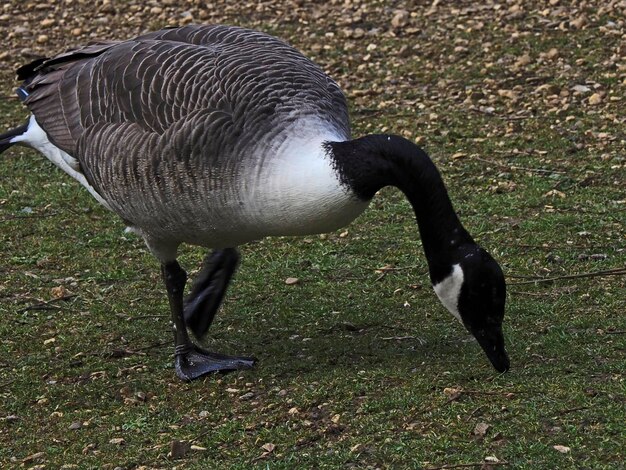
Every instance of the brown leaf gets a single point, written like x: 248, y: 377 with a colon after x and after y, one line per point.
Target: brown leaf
x: 523, y: 61
x: 509, y: 94
x: 490, y: 462
x: 553, y: 53
x: 400, y: 19
x: 178, y: 449
x: 269, y: 447
x: 595, y: 99
x: 562, y: 449
x: 59, y: 292
x: 291, y: 281
x: 554, y: 192
x: 453, y: 393
x: 579, y: 22
x: 450, y: 391
x: 31, y: 458
x: 481, y: 430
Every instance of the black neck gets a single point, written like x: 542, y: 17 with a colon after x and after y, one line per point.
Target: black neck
x: 372, y: 162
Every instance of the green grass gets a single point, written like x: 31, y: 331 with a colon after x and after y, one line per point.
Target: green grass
x: 332, y: 388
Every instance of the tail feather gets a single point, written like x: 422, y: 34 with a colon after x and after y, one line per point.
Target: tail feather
x: 7, y: 137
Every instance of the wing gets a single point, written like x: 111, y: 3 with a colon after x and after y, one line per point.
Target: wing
x: 190, y: 100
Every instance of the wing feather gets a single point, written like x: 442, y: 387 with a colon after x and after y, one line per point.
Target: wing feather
x: 187, y: 102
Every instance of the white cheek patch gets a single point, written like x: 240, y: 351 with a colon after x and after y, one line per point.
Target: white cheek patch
x: 449, y: 291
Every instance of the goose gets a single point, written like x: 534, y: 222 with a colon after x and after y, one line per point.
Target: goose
x: 216, y: 136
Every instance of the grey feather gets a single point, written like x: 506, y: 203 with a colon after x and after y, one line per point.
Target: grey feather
x: 176, y: 113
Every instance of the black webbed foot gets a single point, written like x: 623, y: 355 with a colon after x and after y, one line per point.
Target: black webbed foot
x: 192, y: 362
x: 208, y: 290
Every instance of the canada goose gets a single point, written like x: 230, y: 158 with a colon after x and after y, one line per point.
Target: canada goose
x: 218, y: 135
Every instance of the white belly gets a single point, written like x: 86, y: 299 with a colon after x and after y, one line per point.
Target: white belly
x: 286, y: 187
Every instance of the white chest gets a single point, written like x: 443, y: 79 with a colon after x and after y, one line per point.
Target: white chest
x: 284, y: 187
x: 295, y: 189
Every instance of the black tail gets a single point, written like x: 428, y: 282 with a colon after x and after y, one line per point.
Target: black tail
x: 5, y: 139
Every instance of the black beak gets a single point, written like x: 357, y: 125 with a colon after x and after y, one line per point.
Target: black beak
x: 491, y: 340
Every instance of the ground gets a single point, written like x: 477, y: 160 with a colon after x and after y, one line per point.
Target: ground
x: 520, y: 104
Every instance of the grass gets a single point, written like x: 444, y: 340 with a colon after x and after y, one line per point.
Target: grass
x: 333, y: 388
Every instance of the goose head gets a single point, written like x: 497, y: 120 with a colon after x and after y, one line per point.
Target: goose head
x: 467, y: 280
x: 474, y: 291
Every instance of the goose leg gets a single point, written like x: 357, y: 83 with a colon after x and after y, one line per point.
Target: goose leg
x: 208, y: 290
x: 190, y: 360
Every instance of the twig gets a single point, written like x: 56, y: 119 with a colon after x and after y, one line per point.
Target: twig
x: 563, y: 247
x: 520, y: 168
x: 368, y: 111
x: 516, y: 118
x: 398, y: 338
x: 480, y: 392
x: 124, y: 352
x: 347, y: 278
x: 387, y: 269
x: 522, y: 276
x: 508, y: 117
x: 539, y: 79
x: 473, y: 413
x: 127, y: 352
x: 46, y: 305
x: 457, y: 396
x: 532, y: 294
x: 29, y: 216
x: 571, y: 410
x: 6, y: 384
x: 152, y: 346
x: 139, y: 317
x: 394, y: 268
x: 606, y: 272
x: 467, y: 465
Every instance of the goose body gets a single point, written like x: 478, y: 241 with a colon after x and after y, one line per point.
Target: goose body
x: 257, y: 113
x: 216, y: 136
